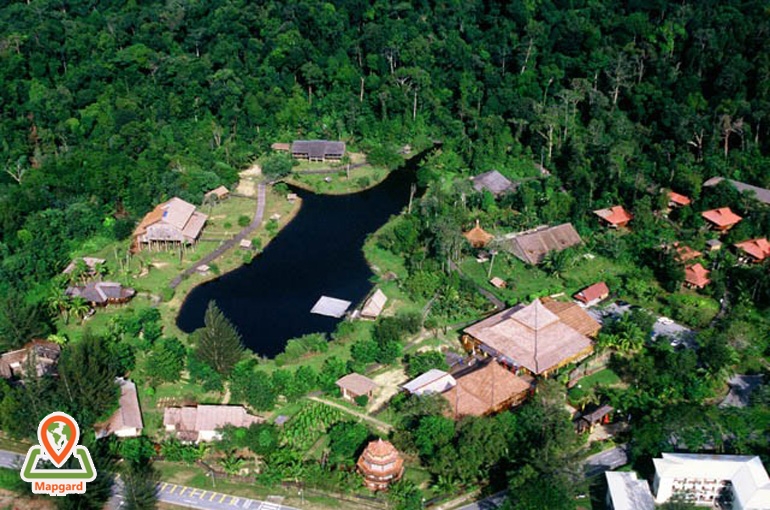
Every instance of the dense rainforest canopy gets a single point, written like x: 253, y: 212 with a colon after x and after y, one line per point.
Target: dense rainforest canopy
x: 109, y: 107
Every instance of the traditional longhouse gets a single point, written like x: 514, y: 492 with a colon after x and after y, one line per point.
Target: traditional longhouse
x: 432, y: 381
x: 721, y: 219
x: 492, y: 181
x: 374, y: 306
x: 705, y: 479
x: 487, y: 390
x: 318, y: 150
x: 532, y: 246
x: 217, y: 194
x: 677, y: 200
x: 381, y: 465
x: 91, y: 264
x: 593, y: 294
x: 754, y: 250
x: 204, y: 422
x: 761, y: 194
x: 355, y: 385
x: 539, y: 337
x: 101, y: 293
x: 696, y: 276
x: 43, y: 355
x: 615, y: 216
x: 127, y: 420
x: 477, y: 236
x: 170, y: 224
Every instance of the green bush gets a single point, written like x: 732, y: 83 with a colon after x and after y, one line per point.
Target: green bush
x: 167, y: 294
x: 214, y: 268
x: 227, y: 224
x: 363, y: 182
x: 243, y: 220
x: 362, y: 400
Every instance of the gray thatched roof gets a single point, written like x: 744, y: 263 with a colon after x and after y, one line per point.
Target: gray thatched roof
x: 492, y: 181
x: 317, y: 149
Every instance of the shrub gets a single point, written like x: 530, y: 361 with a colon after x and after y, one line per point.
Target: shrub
x: 167, y: 294
x: 256, y: 244
x: 243, y: 220
x: 362, y: 400
x: 227, y: 224
x: 214, y: 268
x: 363, y: 182
x: 276, y: 165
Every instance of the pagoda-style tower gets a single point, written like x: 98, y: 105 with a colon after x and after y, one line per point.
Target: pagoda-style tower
x: 381, y: 465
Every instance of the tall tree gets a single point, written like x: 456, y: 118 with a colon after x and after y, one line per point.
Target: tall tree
x: 218, y: 343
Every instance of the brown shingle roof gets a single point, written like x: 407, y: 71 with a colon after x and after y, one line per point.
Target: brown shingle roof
x: 759, y: 249
x: 357, y: 383
x: 535, y: 337
x: 721, y: 217
x: 484, y: 390
x: 571, y: 314
x: 317, y: 149
x: 684, y: 253
x: 593, y: 292
x: 174, y: 220
x: 218, y: 192
x: 206, y: 418
x: 533, y: 246
x: 128, y: 415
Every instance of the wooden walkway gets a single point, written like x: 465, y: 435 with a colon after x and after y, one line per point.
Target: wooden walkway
x: 230, y: 243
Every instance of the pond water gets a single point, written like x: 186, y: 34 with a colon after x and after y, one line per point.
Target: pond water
x: 318, y: 253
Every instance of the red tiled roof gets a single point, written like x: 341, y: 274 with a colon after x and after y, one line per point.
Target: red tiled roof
x: 685, y: 253
x: 722, y: 217
x: 678, y: 199
x: 593, y: 292
x: 697, y: 275
x: 615, y: 215
x: 757, y: 248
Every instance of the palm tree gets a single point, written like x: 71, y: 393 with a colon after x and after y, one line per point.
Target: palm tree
x: 60, y: 304
x: 102, y: 270
x: 79, y: 307
x: 232, y: 464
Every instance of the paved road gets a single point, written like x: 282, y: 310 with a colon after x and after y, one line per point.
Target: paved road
x: 605, y: 461
x: 174, y: 494
x: 10, y: 459
x: 490, y: 503
x: 210, y: 500
x: 231, y: 243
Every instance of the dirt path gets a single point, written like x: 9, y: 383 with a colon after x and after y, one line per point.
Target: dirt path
x: 231, y: 243
x: 381, y: 425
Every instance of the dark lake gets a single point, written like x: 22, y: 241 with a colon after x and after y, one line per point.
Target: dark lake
x: 318, y: 253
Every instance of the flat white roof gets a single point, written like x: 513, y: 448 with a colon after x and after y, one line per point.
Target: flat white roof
x: 751, y: 484
x: 431, y: 376
x: 330, y: 307
x: 627, y: 492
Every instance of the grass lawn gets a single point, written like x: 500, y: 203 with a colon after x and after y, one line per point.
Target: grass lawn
x: 604, y: 377
x: 339, y: 183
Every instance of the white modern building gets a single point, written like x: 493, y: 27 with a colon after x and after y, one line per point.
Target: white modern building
x: 432, y: 381
x: 706, y: 479
x: 626, y: 492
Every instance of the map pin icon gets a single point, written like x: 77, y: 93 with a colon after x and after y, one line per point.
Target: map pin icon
x: 58, y: 434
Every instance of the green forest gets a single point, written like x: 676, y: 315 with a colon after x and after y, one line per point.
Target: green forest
x: 109, y: 108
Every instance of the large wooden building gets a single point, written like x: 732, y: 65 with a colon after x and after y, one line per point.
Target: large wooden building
x: 170, y: 224
x: 486, y: 390
x: 533, y: 246
x: 318, y: 150
x: 538, y: 338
